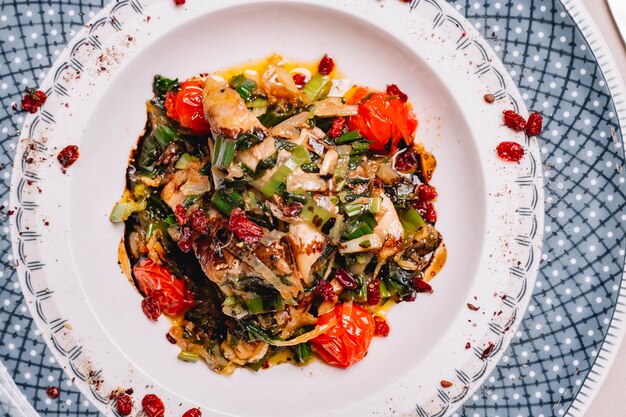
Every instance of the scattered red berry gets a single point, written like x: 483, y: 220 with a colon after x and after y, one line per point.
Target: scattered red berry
x: 487, y: 351
x: 325, y: 290
x: 534, y: 125
x: 426, y: 192
x: 326, y: 65
x: 181, y: 214
x: 185, y: 242
x: 179, y: 2
x: 346, y: 279
x: 427, y: 210
x: 68, y: 156
x: 151, y: 308
x: 472, y: 307
x: 381, y: 328
x: 445, y: 384
x: 489, y: 98
x: 393, y: 90
x: 514, y: 120
x: 410, y: 297
x: 153, y: 406
x: 406, y: 161
x: 373, y: 292
x: 170, y: 338
x: 53, y: 392
x: 244, y: 228
x: 199, y: 222
x: 468, y: 345
x: 194, y: 412
x: 421, y: 285
x: 510, y: 151
x: 124, y: 405
x: 33, y: 100
x: 337, y: 127
x: 299, y: 79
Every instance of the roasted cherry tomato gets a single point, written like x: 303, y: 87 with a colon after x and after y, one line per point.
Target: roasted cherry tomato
x: 185, y: 106
x: 157, y: 282
x: 382, y: 119
x: 347, y: 342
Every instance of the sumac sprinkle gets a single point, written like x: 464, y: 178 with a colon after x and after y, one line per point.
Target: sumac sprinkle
x: 336, y: 128
x: 53, y: 392
x: 153, y: 406
x: 426, y: 192
x: 179, y: 2
x: 181, y: 214
x: 421, y: 285
x: 193, y: 412
x: 199, y: 222
x: 244, y: 228
x: 185, y: 242
x: 346, y: 279
x: 487, y: 351
x: 514, y: 120
x: 510, y: 151
x: 373, y: 292
x: 299, y: 79
x: 381, y: 328
x: 489, y: 98
x: 151, y: 308
x: 326, y: 65
x: 124, y: 405
x: 472, y: 307
x: 445, y: 384
x: 406, y: 162
x: 534, y: 126
x: 393, y: 90
x: 33, y: 100
x: 292, y: 210
x: 68, y: 156
x: 325, y: 290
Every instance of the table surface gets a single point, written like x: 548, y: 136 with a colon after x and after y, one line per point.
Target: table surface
x: 610, y: 401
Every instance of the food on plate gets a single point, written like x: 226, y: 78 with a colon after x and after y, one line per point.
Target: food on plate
x: 277, y: 210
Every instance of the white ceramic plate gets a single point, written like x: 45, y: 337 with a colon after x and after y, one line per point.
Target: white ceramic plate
x: 490, y: 212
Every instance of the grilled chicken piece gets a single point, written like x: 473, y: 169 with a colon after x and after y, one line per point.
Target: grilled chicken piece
x: 389, y: 229
x: 308, y: 244
x: 186, y: 182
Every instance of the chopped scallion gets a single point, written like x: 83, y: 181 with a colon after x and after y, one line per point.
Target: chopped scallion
x: 224, y: 152
x: 164, y: 135
x: 186, y: 356
x: 411, y: 220
x: 348, y: 137
x: 317, y: 88
x: 184, y: 161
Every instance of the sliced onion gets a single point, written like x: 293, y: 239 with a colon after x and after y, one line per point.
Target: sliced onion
x: 319, y: 330
x: 287, y: 80
x: 306, y: 182
x: 387, y: 174
x: 330, y: 162
x: 333, y: 106
x: 355, y: 245
x: 288, y: 128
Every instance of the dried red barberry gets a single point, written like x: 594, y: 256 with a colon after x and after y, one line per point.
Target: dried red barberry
x: 514, y: 120
x: 181, y: 214
x: 406, y: 161
x: 325, y: 290
x: 244, y: 228
x: 373, y: 292
x: 445, y: 384
x: 427, y: 210
x: 489, y: 98
x: 534, y: 126
x: 179, y: 2
x: 421, y: 286
x: 53, y: 392
x: 326, y: 65
x: 199, y: 222
x: 410, y: 297
x: 194, y: 412
x: 393, y: 90
x: 124, y: 405
x: 68, y: 156
x: 336, y: 128
x: 299, y: 79
x: 426, y: 192
x: 151, y: 308
x: 468, y: 345
x: 153, y: 406
x: 33, y: 100
x: 381, y: 328
x: 185, y: 242
x: 487, y: 351
x: 510, y: 151
x: 346, y: 279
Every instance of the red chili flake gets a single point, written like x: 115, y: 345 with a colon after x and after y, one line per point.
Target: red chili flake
x: 185, y: 242
x: 373, y: 292
x: 468, y: 345
x: 170, y: 338
x: 393, y: 90
x: 445, y: 384
x: 53, y: 392
x: 130, y: 391
x: 337, y: 127
x: 325, y: 290
x: 510, y: 151
x: 514, y: 120
x: 153, y: 406
x: 487, y: 351
x: 381, y: 328
x: 421, y: 285
x: 299, y: 79
x: 489, y: 98
x: 326, y: 65
x: 151, y: 308
x: 199, y: 222
x: 426, y: 192
x: 292, y: 210
x: 124, y: 405
x: 33, y: 100
x: 244, y: 228
x: 181, y: 214
x: 472, y: 307
x: 68, y: 156
x: 346, y: 279
x: 534, y: 125
x: 194, y: 412
x: 179, y: 2
x: 406, y: 161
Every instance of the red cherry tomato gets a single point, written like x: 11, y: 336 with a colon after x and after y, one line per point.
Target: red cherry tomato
x: 382, y: 119
x: 347, y: 342
x: 157, y: 282
x: 185, y: 106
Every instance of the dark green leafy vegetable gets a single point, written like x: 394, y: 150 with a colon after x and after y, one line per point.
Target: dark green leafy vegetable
x: 161, y: 85
x: 243, y: 85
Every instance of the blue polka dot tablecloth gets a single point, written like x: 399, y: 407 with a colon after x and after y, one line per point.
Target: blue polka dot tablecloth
x: 576, y: 316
